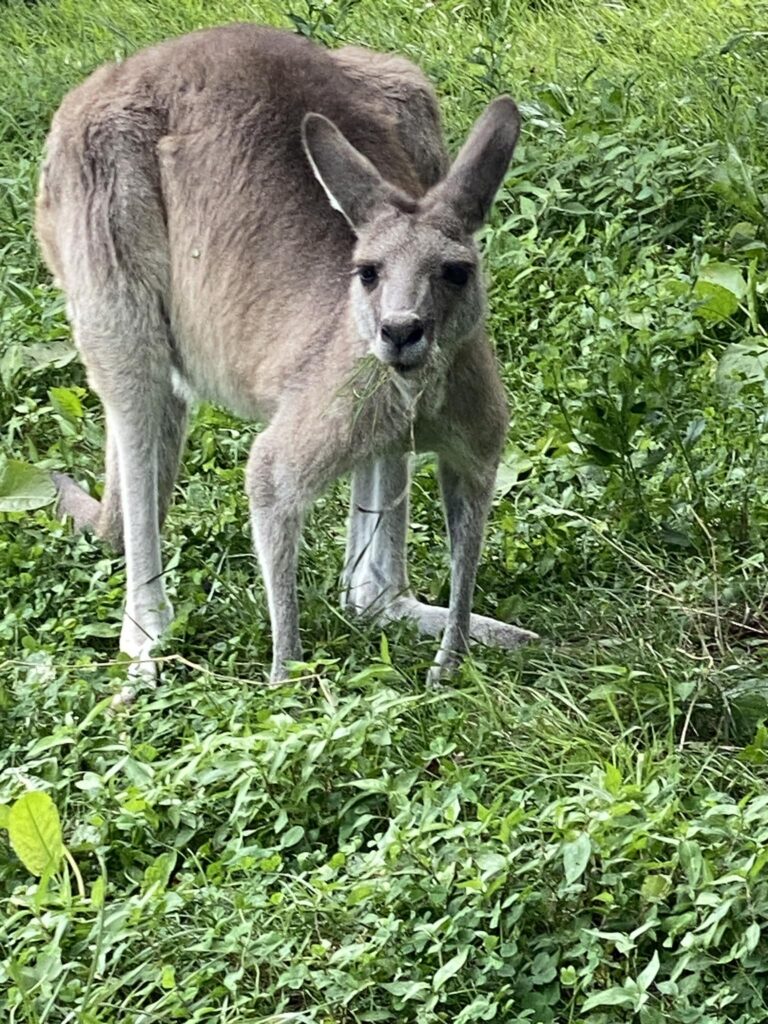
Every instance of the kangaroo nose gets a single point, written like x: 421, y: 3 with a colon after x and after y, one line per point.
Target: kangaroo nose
x: 402, y: 331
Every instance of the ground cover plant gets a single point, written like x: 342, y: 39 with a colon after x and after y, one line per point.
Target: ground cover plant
x: 575, y: 833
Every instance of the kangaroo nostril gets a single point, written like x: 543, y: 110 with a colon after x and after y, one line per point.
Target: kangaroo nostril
x: 402, y: 332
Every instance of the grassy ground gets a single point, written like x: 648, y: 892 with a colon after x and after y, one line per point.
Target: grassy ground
x: 573, y: 834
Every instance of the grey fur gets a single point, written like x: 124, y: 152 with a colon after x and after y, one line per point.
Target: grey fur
x: 183, y: 207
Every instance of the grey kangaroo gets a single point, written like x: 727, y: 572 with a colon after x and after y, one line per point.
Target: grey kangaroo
x: 243, y: 216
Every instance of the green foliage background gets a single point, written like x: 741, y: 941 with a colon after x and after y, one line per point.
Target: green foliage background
x: 576, y: 833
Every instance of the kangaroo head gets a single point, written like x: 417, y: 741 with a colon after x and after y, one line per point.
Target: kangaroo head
x: 417, y: 288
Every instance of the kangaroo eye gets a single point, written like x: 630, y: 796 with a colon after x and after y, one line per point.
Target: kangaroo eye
x: 368, y: 274
x: 456, y: 273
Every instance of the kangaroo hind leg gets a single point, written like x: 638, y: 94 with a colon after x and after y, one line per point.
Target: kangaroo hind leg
x: 128, y: 357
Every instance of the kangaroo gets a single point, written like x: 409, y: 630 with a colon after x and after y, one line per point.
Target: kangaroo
x: 243, y: 216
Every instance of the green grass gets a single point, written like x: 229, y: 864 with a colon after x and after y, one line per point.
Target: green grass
x: 573, y: 834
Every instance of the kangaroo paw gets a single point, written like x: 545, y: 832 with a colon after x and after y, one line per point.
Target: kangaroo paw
x: 76, y: 503
x: 431, y: 620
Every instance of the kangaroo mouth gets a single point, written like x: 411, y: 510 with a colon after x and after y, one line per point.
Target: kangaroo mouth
x: 407, y: 369
x: 408, y: 362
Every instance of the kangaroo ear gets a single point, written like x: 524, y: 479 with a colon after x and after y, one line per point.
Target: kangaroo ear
x: 477, y: 172
x: 353, y: 185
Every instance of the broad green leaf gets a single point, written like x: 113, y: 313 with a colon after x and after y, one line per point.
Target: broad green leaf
x: 720, y: 287
x: 691, y: 860
x: 734, y: 182
x: 98, y: 891
x: 693, y: 431
x: 752, y: 937
x: 513, y: 465
x: 449, y: 968
x: 543, y: 969
x: 491, y: 864
x: 24, y: 487
x: 742, y: 239
x: 615, y: 996
x: 158, y: 873
x: 655, y: 887
x: 5, y: 810
x: 482, y: 1007
x: 757, y: 751
x: 714, y: 303
x: 557, y: 98
x: 406, y: 989
x: 741, y: 364
x: 39, y: 355
x: 294, y: 835
x: 34, y: 830
x: 613, y: 779
x: 11, y: 362
x: 576, y: 857
x: 66, y: 403
x: 360, y: 892
x: 647, y: 975
x: 639, y: 319
x: 668, y: 988
x: 726, y: 276
x: 384, y: 650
